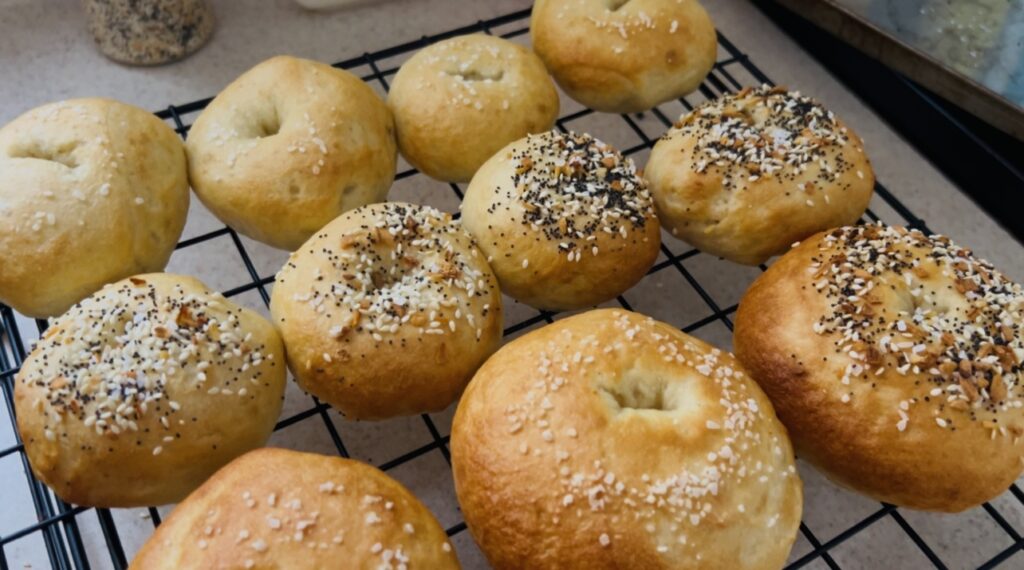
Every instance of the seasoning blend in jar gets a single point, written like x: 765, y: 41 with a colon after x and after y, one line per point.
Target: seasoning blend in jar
x: 149, y: 32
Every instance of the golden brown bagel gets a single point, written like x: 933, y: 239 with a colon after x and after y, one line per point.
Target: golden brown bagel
x: 746, y: 175
x: 458, y: 101
x: 564, y: 219
x: 610, y: 440
x: 288, y: 146
x: 894, y: 359
x: 387, y: 311
x: 624, y: 56
x: 141, y: 391
x: 276, y: 508
x: 91, y: 191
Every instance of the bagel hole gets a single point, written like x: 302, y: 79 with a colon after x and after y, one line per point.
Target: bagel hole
x: 911, y: 303
x: 637, y: 391
x: 614, y: 5
x: 268, y: 126
x: 477, y: 75
x: 61, y: 154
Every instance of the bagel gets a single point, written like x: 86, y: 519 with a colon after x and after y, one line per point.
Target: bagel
x: 276, y: 508
x: 624, y: 56
x: 744, y: 176
x: 609, y: 440
x: 144, y: 389
x: 91, y: 191
x: 894, y: 358
x: 288, y: 146
x: 387, y: 311
x: 458, y: 101
x: 564, y: 219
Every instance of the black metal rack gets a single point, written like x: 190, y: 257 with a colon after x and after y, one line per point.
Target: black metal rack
x: 57, y: 522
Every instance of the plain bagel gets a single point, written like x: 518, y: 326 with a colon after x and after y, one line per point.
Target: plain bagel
x: 91, y: 191
x: 288, y: 146
x: 624, y: 56
x: 458, y: 101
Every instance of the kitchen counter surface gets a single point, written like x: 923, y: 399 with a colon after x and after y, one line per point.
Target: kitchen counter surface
x: 46, y: 54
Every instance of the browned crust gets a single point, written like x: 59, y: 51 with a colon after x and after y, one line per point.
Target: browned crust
x: 606, y: 72
x: 857, y: 444
x: 206, y: 530
x: 514, y: 502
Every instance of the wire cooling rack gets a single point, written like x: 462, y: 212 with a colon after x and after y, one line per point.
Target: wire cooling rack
x: 695, y: 291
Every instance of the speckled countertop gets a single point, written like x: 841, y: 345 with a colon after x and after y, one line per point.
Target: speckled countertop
x: 47, y: 54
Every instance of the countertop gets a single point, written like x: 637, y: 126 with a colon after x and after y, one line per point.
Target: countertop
x: 46, y: 54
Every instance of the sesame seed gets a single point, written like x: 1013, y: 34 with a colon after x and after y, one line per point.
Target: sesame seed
x: 941, y: 348
x: 735, y: 138
x: 422, y: 279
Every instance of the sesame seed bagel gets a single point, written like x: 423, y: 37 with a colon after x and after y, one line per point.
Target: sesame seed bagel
x: 141, y: 391
x: 387, y: 311
x: 288, y: 146
x: 91, y: 191
x: 276, y: 508
x: 611, y: 440
x: 746, y: 175
x: 894, y: 358
x: 565, y: 220
x: 459, y: 101
x: 624, y: 56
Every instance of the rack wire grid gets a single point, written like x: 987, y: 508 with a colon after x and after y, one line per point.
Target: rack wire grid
x: 695, y: 291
